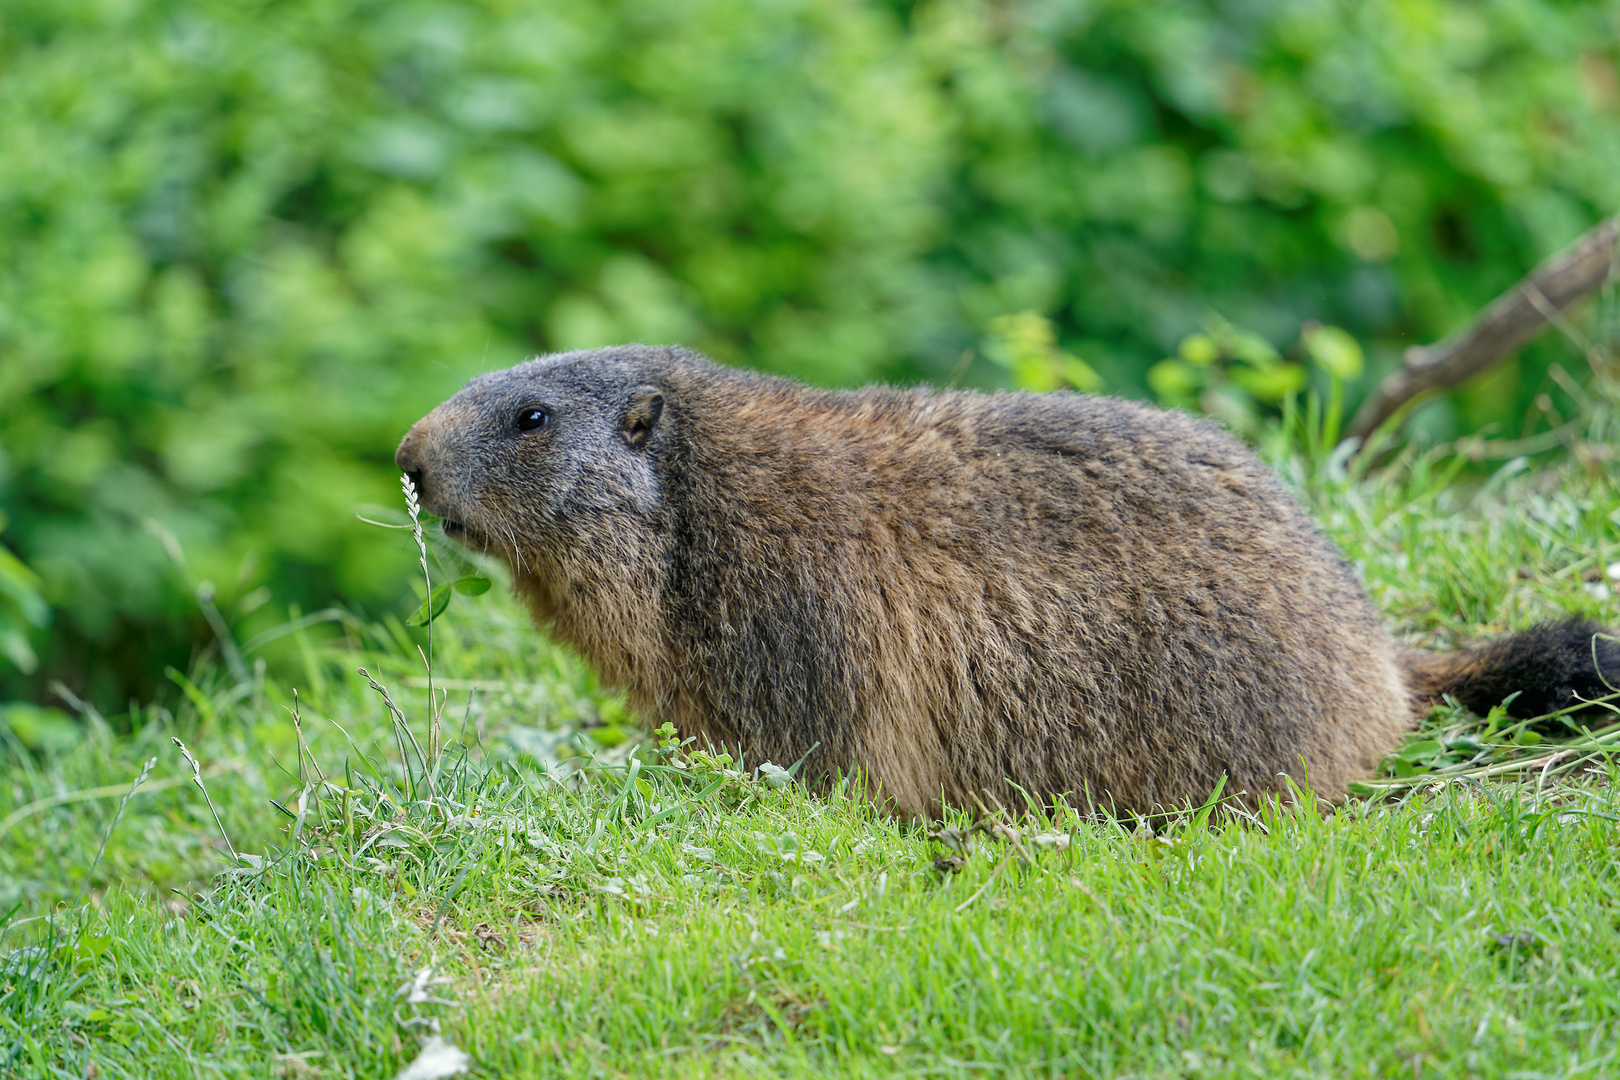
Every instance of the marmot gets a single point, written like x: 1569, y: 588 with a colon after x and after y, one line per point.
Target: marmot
x: 952, y: 591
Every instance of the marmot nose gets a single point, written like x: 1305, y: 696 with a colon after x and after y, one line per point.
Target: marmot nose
x: 405, y: 456
x: 410, y: 463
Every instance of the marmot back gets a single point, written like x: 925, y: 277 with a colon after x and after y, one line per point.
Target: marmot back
x: 954, y: 592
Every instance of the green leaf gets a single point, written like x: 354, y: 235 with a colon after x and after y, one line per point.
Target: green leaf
x: 1026, y: 343
x: 431, y: 608
x: 609, y: 735
x: 1253, y: 349
x: 1078, y: 374
x: 1270, y: 383
x: 15, y: 647
x: 1174, y: 381
x: 21, y: 606
x: 473, y: 585
x: 21, y: 585
x: 1035, y: 374
x: 1199, y: 349
x: 1333, y: 350
x: 83, y: 954
x: 1419, y: 751
x: 30, y: 963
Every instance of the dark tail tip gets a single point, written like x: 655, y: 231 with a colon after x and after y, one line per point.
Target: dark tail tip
x: 1551, y: 667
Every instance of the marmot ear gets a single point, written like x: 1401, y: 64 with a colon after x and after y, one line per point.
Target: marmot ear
x: 641, y: 415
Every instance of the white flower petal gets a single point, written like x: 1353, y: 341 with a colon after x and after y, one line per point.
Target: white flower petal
x: 438, y: 1058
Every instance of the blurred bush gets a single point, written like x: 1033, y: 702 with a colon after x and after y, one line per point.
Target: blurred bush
x: 243, y: 244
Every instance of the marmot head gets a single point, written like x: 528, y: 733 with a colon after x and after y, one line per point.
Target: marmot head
x: 525, y: 459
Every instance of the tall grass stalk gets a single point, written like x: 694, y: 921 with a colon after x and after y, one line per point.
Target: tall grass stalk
x: 196, y: 778
x: 413, y: 506
x: 123, y: 804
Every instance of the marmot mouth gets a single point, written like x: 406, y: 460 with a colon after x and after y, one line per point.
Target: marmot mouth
x: 463, y: 534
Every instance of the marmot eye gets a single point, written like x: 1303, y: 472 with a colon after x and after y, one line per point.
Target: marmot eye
x: 532, y: 419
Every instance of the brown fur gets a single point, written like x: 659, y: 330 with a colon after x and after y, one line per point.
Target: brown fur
x: 955, y: 592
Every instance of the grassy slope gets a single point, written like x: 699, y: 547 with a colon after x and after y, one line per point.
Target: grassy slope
x: 656, y: 925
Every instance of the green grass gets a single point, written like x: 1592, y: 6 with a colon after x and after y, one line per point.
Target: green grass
x: 634, y: 919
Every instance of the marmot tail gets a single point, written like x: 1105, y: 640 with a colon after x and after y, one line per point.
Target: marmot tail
x: 1551, y: 667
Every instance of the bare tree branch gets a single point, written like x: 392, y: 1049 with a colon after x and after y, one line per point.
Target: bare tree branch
x: 1511, y: 320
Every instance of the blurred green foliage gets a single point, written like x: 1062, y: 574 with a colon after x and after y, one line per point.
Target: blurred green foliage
x: 1026, y: 344
x: 244, y: 243
x: 22, y: 608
